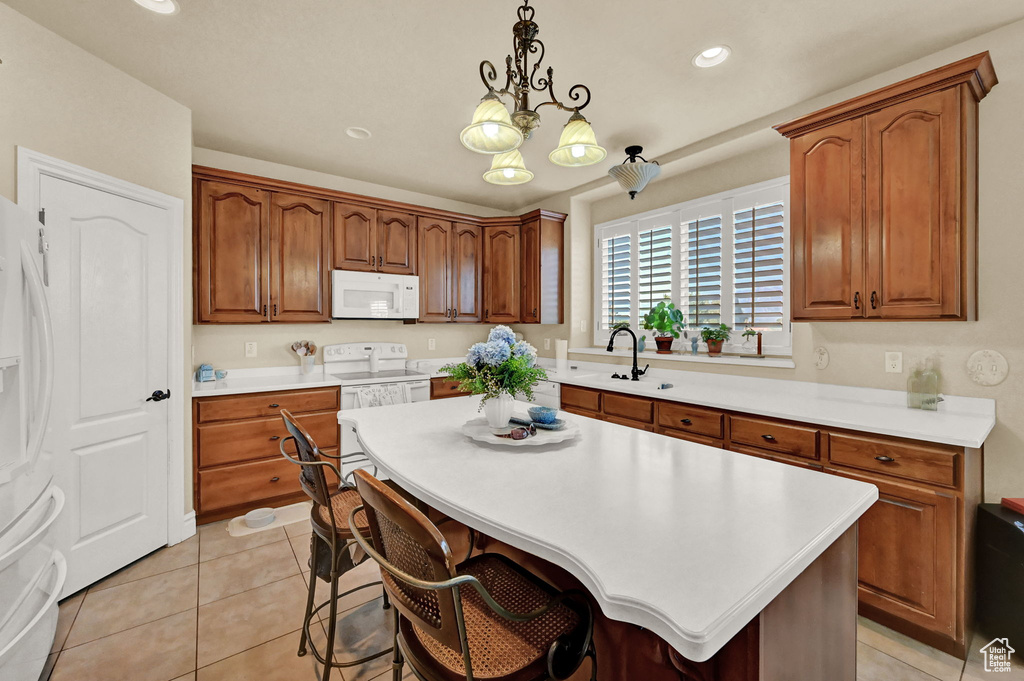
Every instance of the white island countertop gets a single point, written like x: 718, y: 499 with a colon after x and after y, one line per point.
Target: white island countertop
x: 688, y: 541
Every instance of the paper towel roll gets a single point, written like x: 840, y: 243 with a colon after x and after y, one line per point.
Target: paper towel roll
x: 561, y: 349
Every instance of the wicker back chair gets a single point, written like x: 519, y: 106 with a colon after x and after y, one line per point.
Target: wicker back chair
x: 486, y: 616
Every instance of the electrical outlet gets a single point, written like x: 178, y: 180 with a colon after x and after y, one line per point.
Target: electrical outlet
x: 583, y: 325
x: 250, y: 349
x: 547, y: 343
x: 894, y: 362
x: 431, y: 344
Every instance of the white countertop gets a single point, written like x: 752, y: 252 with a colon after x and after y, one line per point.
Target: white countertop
x: 686, y: 540
x: 241, y: 381
x: 960, y: 421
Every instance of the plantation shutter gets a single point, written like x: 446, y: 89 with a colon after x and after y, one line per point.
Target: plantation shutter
x: 758, y: 269
x: 615, y: 280
x: 654, y: 260
x: 702, y: 278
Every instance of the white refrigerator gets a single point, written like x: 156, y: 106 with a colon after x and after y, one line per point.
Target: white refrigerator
x: 32, y: 571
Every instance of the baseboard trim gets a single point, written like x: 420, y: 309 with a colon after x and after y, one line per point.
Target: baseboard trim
x: 188, y: 525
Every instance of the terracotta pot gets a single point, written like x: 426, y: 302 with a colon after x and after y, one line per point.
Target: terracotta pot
x: 714, y: 347
x: 664, y: 344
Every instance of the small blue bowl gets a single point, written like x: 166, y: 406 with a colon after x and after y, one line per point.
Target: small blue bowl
x: 543, y: 414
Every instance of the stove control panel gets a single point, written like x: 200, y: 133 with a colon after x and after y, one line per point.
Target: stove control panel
x: 351, y: 352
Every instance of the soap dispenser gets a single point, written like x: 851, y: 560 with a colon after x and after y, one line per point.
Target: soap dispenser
x: 914, y: 388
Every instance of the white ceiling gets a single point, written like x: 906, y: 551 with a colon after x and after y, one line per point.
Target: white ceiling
x: 280, y: 80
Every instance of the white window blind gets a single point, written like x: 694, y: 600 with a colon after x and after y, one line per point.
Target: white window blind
x: 720, y: 259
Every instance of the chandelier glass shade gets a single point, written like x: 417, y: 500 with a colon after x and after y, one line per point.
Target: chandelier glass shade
x: 632, y: 175
x: 491, y: 131
x: 508, y: 168
x: 496, y: 131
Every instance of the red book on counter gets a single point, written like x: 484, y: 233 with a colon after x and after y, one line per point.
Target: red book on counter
x: 1014, y: 505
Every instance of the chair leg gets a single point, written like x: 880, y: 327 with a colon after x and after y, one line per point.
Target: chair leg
x: 387, y: 603
x: 310, y: 598
x: 331, y: 626
x: 398, y: 660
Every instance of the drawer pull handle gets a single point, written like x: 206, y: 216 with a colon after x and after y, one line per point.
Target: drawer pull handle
x: 769, y: 438
x: 884, y: 459
x: 274, y: 406
x: 274, y: 479
x: 275, y: 437
x: 686, y: 422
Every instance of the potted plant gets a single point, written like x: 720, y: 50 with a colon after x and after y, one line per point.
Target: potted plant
x: 714, y: 336
x: 665, y: 320
x: 499, y: 369
x: 749, y: 335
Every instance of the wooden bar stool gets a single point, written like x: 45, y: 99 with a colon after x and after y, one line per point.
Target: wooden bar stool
x: 331, y: 540
x: 485, y: 618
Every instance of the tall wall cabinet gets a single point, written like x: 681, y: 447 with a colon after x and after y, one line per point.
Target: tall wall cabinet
x: 884, y: 200
x: 264, y: 250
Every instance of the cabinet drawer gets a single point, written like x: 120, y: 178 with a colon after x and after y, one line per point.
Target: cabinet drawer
x: 231, y: 407
x: 790, y: 439
x: 691, y: 419
x: 583, y: 399
x: 221, y: 443
x: 633, y: 408
x: 629, y: 423
x: 690, y: 437
x: 442, y: 387
x: 773, y: 456
x: 922, y: 463
x: 247, y: 482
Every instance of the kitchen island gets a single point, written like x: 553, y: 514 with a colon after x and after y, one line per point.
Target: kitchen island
x: 700, y: 561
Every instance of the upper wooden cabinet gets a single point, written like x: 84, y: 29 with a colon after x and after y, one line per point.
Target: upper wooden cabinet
x: 501, y: 274
x: 884, y: 200
x: 265, y: 249
x: 232, y: 253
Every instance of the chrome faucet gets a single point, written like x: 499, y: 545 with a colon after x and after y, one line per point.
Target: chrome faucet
x: 635, y: 372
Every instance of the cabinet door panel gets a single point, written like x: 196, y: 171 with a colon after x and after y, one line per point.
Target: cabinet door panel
x: 827, y: 222
x: 501, y: 275
x: 232, y: 253
x: 355, y: 243
x: 912, y: 181
x: 467, y: 267
x: 907, y: 555
x: 396, y: 243
x: 299, y: 237
x: 529, y: 240
x: 435, y: 238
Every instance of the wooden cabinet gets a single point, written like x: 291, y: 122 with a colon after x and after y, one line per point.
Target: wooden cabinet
x: 396, y: 242
x: 441, y: 388
x: 450, y: 266
x: 884, y: 200
x: 299, y: 259
x: 355, y: 229
x: 501, y: 274
x: 237, y: 463
x: 774, y: 436
x: 232, y: 253
x: 467, y: 268
x: 541, y: 256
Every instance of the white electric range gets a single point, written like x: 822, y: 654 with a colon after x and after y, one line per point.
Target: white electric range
x: 357, y: 365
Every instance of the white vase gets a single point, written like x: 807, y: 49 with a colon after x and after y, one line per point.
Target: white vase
x: 498, y: 410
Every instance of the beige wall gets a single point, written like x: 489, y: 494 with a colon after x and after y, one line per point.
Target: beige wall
x: 223, y: 346
x: 59, y: 100
x: 857, y: 349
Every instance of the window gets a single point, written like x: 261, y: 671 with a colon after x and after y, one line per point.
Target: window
x: 720, y: 259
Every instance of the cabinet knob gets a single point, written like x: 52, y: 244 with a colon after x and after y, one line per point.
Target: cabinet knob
x: 275, y: 437
x: 448, y: 314
x: 685, y: 422
x: 874, y: 300
x: 264, y: 310
x: 856, y: 300
x: 534, y: 312
x: 274, y: 406
x: 274, y: 479
x: 769, y: 438
x: 456, y: 313
x: 884, y: 459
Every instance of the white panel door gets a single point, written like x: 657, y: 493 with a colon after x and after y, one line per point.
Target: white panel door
x: 108, y: 294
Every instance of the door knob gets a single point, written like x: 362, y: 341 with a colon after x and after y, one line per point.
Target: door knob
x: 158, y: 396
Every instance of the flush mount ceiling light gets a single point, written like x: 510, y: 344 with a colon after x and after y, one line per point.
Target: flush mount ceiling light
x: 495, y: 131
x: 633, y: 176
x: 159, y: 6
x: 713, y: 56
x: 358, y: 133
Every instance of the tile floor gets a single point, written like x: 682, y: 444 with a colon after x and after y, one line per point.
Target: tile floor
x: 218, y: 608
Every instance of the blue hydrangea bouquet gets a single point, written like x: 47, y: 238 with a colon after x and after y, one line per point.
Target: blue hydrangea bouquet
x: 502, y: 366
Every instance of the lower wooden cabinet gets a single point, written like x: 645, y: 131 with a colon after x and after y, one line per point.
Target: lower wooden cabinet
x: 236, y: 441
x: 915, y: 541
x: 441, y: 388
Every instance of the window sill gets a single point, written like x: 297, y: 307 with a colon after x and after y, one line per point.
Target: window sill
x: 769, y: 362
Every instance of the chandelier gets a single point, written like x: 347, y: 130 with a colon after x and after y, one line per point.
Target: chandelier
x: 494, y: 131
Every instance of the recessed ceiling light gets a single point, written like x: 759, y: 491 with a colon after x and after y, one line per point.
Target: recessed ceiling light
x: 358, y: 133
x: 713, y: 56
x: 159, y: 6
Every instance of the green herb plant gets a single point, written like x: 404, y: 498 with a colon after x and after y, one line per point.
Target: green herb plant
x: 664, y: 319
x: 714, y: 333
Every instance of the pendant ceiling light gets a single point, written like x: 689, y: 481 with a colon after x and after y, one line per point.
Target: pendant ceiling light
x: 495, y: 131
x: 508, y: 168
x: 634, y: 176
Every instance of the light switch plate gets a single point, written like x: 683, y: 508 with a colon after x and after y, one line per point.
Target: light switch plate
x: 431, y: 344
x: 250, y: 349
x: 894, y: 362
x: 547, y: 343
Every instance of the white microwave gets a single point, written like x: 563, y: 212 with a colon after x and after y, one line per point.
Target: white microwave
x: 370, y: 295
